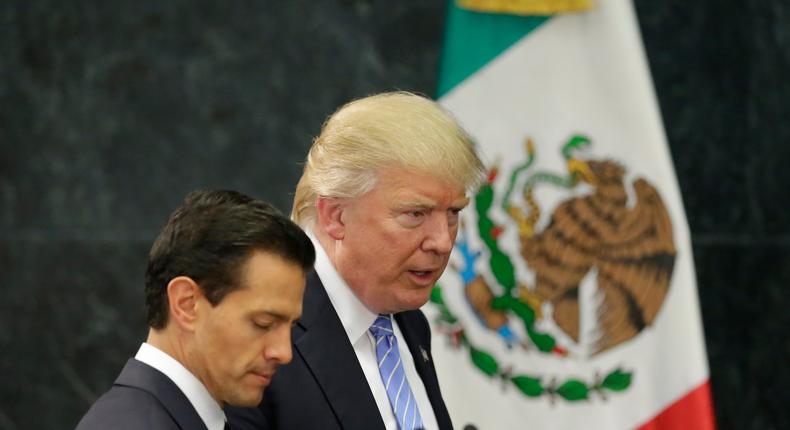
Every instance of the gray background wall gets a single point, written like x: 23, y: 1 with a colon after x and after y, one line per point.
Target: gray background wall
x: 111, y: 111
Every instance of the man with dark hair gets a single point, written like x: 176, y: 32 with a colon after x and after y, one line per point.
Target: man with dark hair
x: 224, y: 285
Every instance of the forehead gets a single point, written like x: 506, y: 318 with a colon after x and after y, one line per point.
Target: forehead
x: 399, y: 185
x: 268, y: 281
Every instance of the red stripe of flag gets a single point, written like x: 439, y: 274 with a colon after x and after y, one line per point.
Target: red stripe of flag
x: 692, y: 411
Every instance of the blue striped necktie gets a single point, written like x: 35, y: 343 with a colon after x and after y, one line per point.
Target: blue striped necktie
x: 404, y: 406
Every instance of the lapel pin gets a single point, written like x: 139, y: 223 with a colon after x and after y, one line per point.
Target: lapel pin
x: 424, y: 354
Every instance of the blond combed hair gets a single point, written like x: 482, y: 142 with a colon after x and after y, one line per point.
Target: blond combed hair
x: 387, y: 130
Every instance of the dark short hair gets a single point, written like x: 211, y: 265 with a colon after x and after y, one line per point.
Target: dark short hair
x: 209, y: 237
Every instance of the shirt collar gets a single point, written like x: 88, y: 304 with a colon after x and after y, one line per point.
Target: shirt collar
x: 355, y: 317
x: 194, y: 390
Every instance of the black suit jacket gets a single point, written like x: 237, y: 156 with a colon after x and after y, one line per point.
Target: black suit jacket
x: 324, y: 386
x: 142, y: 398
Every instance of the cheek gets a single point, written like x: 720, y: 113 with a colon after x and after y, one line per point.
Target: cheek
x: 383, y: 233
x: 238, y: 358
x: 232, y: 344
x: 394, y: 256
x: 408, y: 245
x: 224, y: 351
x: 383, y: 251
x: 246, y: 345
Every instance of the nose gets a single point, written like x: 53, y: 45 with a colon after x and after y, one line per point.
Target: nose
x: 440, y: 235
x: 278, y: 349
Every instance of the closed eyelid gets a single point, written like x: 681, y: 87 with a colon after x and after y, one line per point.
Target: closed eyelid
x: 275, y: 322
x: 269, y: 317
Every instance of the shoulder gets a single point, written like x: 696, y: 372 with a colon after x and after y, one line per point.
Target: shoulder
x: 125, y: 408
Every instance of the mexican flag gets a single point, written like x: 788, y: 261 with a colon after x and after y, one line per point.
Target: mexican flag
x: 570, y: 300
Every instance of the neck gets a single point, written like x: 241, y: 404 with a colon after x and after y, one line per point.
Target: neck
x: 174, y: 345
x: 164, y: 341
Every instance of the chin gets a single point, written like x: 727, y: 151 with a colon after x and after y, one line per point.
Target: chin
x: 247, y: 401
x: 416, y: 300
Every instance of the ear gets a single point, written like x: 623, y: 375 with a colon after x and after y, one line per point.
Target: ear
x: 330, y: 216
x: 182, y: 295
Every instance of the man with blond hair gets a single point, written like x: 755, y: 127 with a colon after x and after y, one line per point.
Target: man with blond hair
x: 380, y: 197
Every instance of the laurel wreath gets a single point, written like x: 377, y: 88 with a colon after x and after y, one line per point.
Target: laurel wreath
x: 571, y: 389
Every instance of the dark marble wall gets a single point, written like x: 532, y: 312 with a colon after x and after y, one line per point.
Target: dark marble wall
x: 722, y: 75
x: 110, y: 112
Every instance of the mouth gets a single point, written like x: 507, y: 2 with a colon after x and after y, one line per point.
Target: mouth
x: 263, y: 378
x: 423, y: 277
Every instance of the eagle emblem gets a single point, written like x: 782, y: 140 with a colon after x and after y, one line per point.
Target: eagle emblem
x: 587, y: 277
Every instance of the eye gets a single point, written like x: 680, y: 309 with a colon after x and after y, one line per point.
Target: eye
x: 265, y: 326
x: 412, y: 217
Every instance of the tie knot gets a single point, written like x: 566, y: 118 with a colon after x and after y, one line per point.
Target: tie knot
x: 382, y: 326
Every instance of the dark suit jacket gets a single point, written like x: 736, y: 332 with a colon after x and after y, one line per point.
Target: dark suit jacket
x: 142, y: 398
x: 324, y: 386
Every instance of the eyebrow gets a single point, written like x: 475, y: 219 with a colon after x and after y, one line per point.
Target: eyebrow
x: 460, y: 203
x: 274, y: 314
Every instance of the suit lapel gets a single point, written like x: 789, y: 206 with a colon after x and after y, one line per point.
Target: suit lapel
x: 325, y: 349
x: 140, y: 375
x: 416, y: 332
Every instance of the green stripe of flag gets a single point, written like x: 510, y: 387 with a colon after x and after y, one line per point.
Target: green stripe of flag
x: 472, y: 39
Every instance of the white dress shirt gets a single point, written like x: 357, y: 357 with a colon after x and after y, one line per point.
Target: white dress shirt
x: 356, y: 320
x: 194, y: 390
